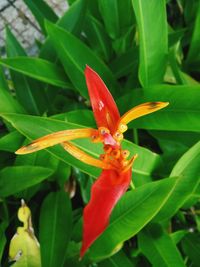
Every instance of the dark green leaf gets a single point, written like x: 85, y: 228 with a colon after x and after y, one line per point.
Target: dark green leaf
x: 11, y: 141
x: 159, y: 248
x: 15, y: 179
x: 74, y: 56
x: 41, y: 11
x: 191, y: 246
x: 131, y: 214
x: 55, y: 228
x: 152, y: 29
x: 39, y: 69
x: 182, y: 114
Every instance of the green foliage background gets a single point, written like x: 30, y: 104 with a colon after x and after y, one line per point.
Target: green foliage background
x: 144, y: 51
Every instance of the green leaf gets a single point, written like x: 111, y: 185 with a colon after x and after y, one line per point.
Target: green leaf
x: 55, y: 228
x: 71, y: 21
x: 191, y: 246
x: 118, y: 21
x: 159, y: 248
x: 182, y: 114
x: 38, y: 69
x: 188, y: 171
x: 11, y: 141
x: 17, y: 178
x: 125, y: 63
x: 153, y: 36
x: 97, y: 37
x: 29, y: 93
x: 74, y: 56
x: 195, y: 41
x: 26, y: 125
x: 7, y: 102
x: 118, y: 260
x: 3, y: 227
x: 132, y: 213
x: 41, y: 11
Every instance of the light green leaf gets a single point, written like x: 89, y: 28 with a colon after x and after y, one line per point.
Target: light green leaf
x: 39, y: 69
x: 17, y: 178
x: 188, y: 171
x: 182, y: 114
x: 74, y: 56
x: 132, y: 213
x: 153, y: 40
x: 159, y: 248
x: 11, y: 141
x: 26, y: 125
x: 41, y: 11
x: 55, y: 228
x: 118, y: 260
x: 29, y: 92
x: 71, y: 21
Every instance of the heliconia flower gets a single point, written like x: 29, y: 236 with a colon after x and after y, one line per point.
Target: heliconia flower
x: 116, y: 167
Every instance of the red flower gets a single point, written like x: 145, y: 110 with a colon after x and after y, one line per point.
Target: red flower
x: 116, y: 168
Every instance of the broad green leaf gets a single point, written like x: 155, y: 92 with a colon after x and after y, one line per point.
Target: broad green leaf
x: 55, y: 228
x: 29, y: 93
x: 16, y: 178
x: 74, y: 56
x: 97, y: 37
x: 182, y: 114
x: 152, y: 30
x: 26, y: 125
x: 132, y: 213
x: 191, y: 246
x: 118, y: 260
x: 7, y: 102
x: 118, y: 21
x: 158, y: 247
x: 125, y: 63
x: 3, y: 227
x: 188, y: 171
x: 41, y: 11
x: 38, y: 69
x: 24, y: 248
x: 71, y: 21
x: 11, y: 141
x: 195, y: 41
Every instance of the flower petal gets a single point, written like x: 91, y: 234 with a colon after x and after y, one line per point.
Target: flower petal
x: 104, y: 107
x: 84, y: 157
x: 106, y: 191
x: 140, y: 111
x: 56, y: 138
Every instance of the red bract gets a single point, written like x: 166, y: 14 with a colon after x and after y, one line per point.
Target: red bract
x: 116, y: 175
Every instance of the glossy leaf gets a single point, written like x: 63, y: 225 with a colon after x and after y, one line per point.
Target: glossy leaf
x: 195, y: 41
x: 41, y: 11
x: 131, y: 214
x: 30, y: 93
x: 159, y: 248
x: 117, y: 21
x: 182, y: 114
x: 11, y: 141
x: 74, y: 63
x: 16, y: 178
x: 71, y: 21
x: 191, y: 246
x: 152, y: 30
x: 39, y: 69
x: 144, y: 164
x: 7, y: 102
x: 118, y: 260
x: 187, y: 169
x: 55, y: 228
